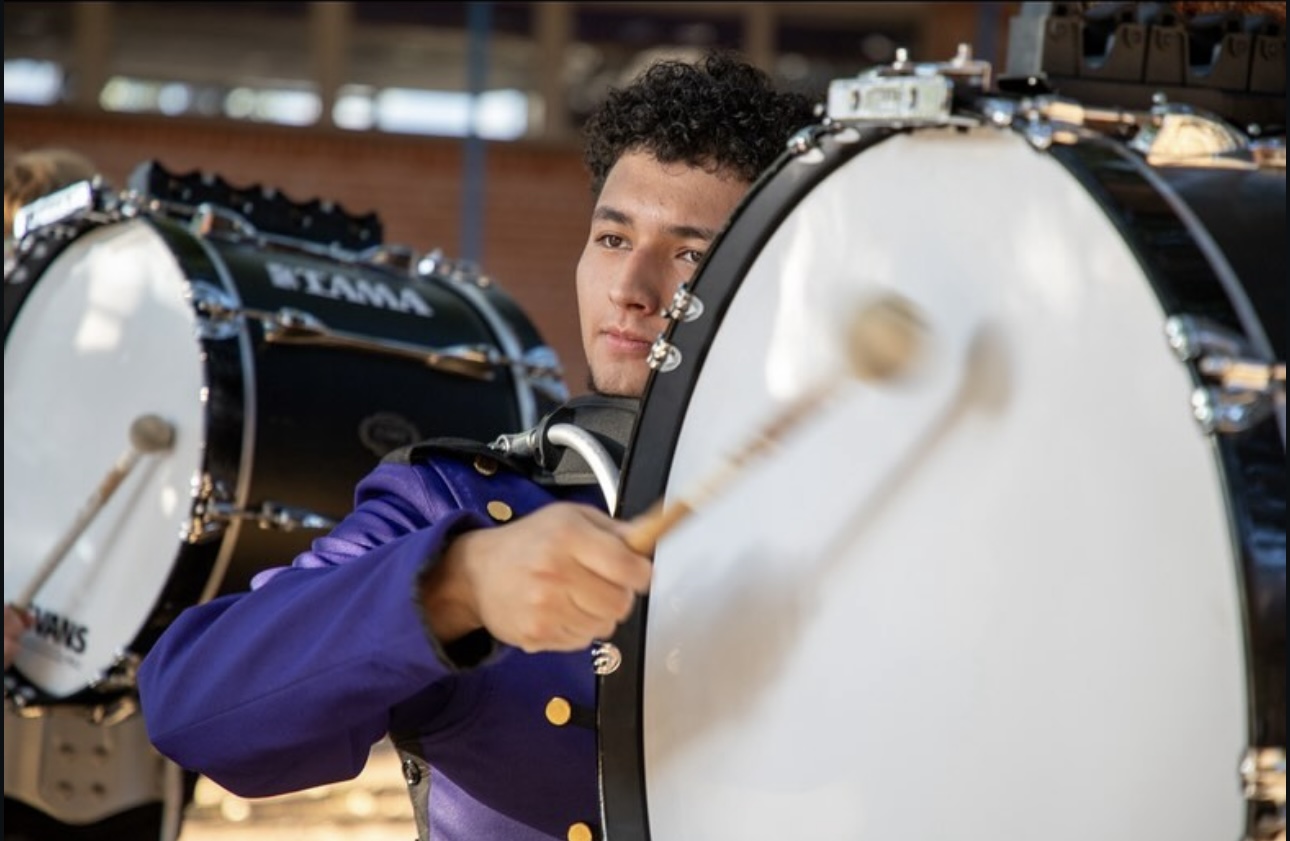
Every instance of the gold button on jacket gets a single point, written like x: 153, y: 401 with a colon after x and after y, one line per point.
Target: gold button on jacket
x: 580, y: 832
x: 559, y: 711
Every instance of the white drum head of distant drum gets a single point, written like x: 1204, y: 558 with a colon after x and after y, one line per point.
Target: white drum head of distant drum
x: 106, y: 335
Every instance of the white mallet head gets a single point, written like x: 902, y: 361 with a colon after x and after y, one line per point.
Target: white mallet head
x: 885, y: 338
x: 151, y: 434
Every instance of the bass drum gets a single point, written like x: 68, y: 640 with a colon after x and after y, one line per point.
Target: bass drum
x: 1035, y: 588
x: 286, y: 370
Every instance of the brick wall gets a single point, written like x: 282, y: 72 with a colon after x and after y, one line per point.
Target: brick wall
x: 536, y: 202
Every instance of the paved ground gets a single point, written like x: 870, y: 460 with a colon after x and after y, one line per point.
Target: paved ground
x: 373, y: 807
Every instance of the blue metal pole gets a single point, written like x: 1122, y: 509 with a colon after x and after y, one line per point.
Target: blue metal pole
x: 479, y: 24
x: 987, y: 34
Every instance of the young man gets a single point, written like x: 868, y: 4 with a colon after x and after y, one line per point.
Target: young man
x: 454, y: 607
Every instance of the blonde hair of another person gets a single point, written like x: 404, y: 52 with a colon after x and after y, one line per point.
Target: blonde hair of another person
x: 38, y: 172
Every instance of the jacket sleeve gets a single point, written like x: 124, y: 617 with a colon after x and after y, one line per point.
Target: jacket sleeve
x: 287, y: 686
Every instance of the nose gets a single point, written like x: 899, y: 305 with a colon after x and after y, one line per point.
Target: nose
x: 640, y: 284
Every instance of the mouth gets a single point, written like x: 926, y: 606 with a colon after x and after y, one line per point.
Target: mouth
x: 626, y: 341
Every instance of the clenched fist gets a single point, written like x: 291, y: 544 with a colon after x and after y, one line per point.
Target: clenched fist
x: 555, y: 580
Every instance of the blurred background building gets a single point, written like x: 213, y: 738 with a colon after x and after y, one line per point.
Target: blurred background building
x: 456, y: 123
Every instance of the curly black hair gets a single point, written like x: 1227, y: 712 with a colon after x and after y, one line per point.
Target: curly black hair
x: 719, y: 113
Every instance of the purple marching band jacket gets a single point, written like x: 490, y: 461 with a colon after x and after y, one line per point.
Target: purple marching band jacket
x: 288, y: 686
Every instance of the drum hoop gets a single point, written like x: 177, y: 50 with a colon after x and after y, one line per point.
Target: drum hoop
x: 243, y: 473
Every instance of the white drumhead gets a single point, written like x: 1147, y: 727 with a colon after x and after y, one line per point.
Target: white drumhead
x: 995, y: 601
x: 105, y: 336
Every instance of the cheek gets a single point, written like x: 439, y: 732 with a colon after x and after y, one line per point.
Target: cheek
x: 583, y: 286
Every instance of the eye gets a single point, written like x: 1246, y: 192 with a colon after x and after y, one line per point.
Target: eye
x: 692, y: 256
x: 613, y: 241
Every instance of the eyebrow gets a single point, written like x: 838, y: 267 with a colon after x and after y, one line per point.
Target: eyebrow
x: 610, y: 214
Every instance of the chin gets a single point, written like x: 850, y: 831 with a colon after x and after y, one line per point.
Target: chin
x: 617, y: 384
x: 616, y: 391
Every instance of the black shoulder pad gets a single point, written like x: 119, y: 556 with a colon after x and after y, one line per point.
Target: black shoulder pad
x: 461, y: 448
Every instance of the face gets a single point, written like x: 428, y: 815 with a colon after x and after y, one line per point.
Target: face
x: 651, y: 226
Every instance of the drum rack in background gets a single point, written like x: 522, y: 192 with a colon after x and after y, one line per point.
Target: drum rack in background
x: 1229, y: 62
